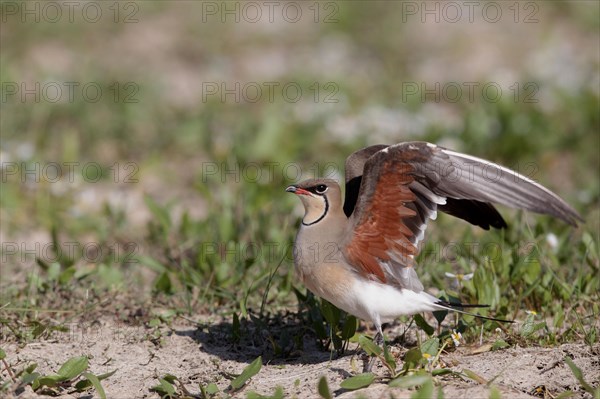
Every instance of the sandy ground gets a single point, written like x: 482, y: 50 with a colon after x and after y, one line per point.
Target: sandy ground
x: 200, y: 355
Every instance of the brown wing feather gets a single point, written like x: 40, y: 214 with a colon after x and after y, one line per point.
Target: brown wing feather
x: 380, y: 229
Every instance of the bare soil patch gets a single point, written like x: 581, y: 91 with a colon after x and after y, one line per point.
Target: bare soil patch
x: 200, y: 355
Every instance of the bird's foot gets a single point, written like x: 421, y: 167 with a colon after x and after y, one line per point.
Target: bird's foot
x: 378, y: 340
x: 369, y: 361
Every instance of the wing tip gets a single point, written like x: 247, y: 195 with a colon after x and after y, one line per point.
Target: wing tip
x: 462, y: 305
x: 552, y: 204
x: 575, y: 219
x: 455, y: 306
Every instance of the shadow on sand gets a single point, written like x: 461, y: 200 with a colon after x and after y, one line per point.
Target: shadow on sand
x: 280, y: 339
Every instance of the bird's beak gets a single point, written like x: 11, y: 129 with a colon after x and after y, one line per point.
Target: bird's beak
x: 297, y: 190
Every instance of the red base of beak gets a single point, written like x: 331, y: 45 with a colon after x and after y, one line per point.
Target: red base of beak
x: 297, y: 190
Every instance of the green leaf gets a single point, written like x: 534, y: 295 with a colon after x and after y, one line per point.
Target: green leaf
x: 412, y: 358
x: 47, y: 380
x: 499, y: 344
x: 212, y: 388
x: 323, y: 388
x: 165, y: 387
x: 475, y: 377
x: 495, y: 393
x: 73, y: 367
x: 38, y: 329
x: 250, y: 371
x: 106, y: 375
x: 527, y: 328
x: 66, y: 275
x: 410, y: 381
x: 84, y: 384
x: 2, y: 354
x: 29, y: 378
x: 440, y: 394
x: 437, y: 372
x: 440, y: 315
x: 389, y: 359
x: 430, y: 346
x: 369, y: 346
x: 530, y: 326
x: 590, y: 245
x: 358, y: 381
x: 155, y: 322
x: 36, y: 383
x: 330, y: 313
x: 29, y: 369
x: 425, y: 392
x: 163, y: 284
x: 96, y: 383
x: 54, y: 271
x: 320, y: 330
x: 349, y: 327
x: 337, y: 342
x: 423, y: 325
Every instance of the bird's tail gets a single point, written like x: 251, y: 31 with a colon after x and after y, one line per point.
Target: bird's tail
x: 456, y: 307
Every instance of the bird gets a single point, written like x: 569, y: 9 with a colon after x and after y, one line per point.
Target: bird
x: 359, y: 254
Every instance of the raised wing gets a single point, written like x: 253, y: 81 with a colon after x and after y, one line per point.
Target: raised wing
x: 478, y: 213
x: 405, y: 184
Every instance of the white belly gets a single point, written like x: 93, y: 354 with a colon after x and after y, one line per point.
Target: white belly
x: 378, y: 302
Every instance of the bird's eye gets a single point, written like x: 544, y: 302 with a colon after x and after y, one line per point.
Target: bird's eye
x: 321, y: 188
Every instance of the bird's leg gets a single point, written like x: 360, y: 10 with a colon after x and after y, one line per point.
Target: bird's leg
x: 369, y: 361
x: 379, y: 341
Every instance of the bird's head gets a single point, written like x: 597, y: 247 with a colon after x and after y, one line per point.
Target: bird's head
x: 319, y: 197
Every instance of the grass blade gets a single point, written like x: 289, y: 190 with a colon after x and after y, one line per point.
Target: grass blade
x: 579, y: 375
x: 96, y: 383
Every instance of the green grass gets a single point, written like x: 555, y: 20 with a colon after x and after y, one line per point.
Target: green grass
x: 219, y: 242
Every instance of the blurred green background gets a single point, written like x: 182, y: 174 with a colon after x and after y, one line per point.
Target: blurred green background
x: 187, y: 120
